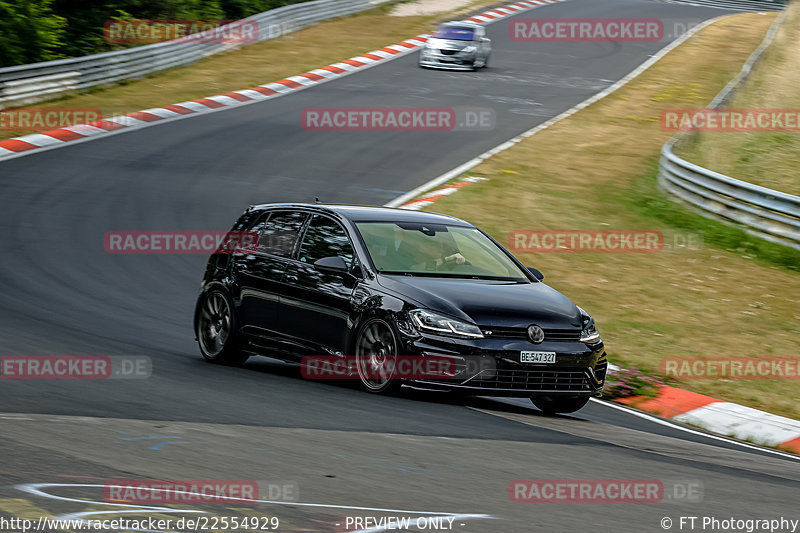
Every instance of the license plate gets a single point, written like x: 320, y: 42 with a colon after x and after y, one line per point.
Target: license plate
x: 537, y: 357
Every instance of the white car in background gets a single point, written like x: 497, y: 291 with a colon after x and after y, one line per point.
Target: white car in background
x: 457, y: 46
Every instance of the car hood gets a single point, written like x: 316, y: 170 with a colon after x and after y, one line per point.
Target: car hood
x: 489, y: 303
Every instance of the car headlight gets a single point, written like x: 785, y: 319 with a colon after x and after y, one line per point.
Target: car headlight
x: 589, y: 332
x: 444, y: 325
x: 468, y: 50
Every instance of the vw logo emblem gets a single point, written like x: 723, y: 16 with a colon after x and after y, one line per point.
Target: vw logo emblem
x: 535, y: 334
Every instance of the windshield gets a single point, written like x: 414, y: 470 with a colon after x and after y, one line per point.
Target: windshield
x: 436, y: 250
x: 456, y: 34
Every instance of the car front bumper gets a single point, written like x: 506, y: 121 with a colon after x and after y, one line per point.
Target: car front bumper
x: 434, y: 59
x: 492, y: 367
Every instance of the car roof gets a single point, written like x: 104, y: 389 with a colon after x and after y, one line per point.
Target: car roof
x: 364, y: 213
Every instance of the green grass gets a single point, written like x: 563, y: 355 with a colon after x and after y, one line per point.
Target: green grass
x: 648, y: 200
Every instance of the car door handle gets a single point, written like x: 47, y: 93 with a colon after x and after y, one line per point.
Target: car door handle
x: 291, y: 277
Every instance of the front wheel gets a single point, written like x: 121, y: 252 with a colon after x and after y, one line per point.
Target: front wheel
x: 559, y: 404
x: 480, y: 63
x: 376, y: 350
x: 218, y: 329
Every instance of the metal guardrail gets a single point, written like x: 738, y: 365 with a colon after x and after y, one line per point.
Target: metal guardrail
x: 769, y: 214
x: 25, y: 84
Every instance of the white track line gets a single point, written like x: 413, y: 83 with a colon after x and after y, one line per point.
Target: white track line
x: 37, y: 490
x: 669, y: 424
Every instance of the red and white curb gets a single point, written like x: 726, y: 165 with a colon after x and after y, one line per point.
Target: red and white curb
x: 430, y: 198
x: 55, y: 138
x: 724, y: 418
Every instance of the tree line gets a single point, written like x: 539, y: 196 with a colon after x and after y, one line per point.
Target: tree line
x: 43, y: 30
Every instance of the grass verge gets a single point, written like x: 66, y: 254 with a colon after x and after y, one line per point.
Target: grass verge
x: 646, y: 199
x: 722, y: 300
x: 769, y: 159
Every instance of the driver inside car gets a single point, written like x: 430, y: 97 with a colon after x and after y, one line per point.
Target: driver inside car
x: 429, y: 255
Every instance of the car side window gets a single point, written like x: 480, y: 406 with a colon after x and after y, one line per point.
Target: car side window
x: 325, y: 238
x: 278, y: 234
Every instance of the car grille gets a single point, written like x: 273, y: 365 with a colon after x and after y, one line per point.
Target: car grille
x: 448, y: 52
x: 549, y: 380
x: 555, y: 335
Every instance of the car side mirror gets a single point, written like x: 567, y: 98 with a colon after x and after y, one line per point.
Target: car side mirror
x: 331, y: 264
x: 536, y: 273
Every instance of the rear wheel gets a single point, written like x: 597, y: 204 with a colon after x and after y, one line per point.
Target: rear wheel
x: 376, y: 356
x: 218, y: 329
x: 559, y: 404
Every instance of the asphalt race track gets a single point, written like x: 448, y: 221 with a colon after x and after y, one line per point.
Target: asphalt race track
x: 421, y: 453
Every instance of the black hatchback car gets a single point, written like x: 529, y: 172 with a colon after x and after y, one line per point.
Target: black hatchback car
x: 376, y: 284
